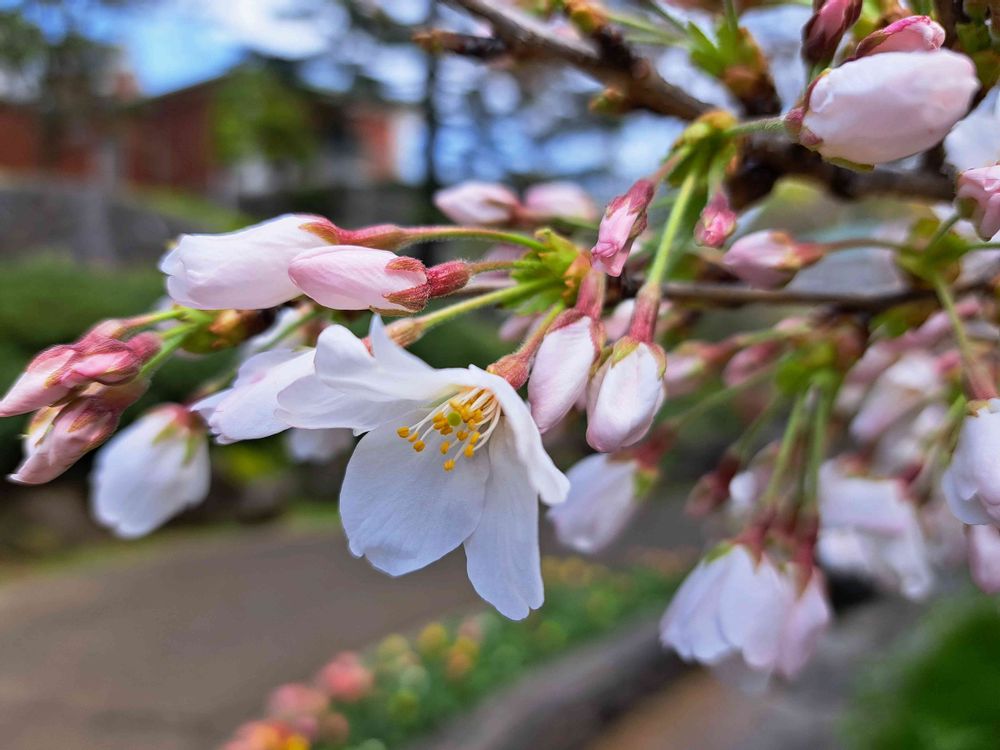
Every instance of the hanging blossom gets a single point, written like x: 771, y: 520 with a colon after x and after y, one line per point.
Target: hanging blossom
x: 740, y: 607
x: 151, y: 471
x: 971, y: 483
x: 605, y: 490
x: 467, y: 462
x: 869, y: 526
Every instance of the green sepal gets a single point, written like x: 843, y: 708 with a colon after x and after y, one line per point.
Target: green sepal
x: 550, y: 264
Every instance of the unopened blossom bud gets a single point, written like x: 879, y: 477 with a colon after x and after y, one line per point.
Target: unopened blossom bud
x: 552, y: 200
x: 983, y: 542
x: 483, y: 204
x: 247, y: 269
x: 58, y: 436
x: 359, y: 278
x: 624, y: 220
x: 971, y: 483
x: 625, y: 394
x: 910, y: 34
x: 769, y: 259
x: 712, y: 489
x: 717, y: 222
x: 884, y: 107
x: 823, y: 32
x: 604, y: 490
x: 912, y: 380
x: 562, y: 366
x: 95, y: 358
x: 978, y: 196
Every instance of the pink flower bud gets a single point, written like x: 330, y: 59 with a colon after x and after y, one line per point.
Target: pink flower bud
x: 717, y: 222
x: 96, y: 358
x: 478, y: 203
x: 823, y: 32
x: 910, y: 34
x: 245, y: 269
x: 552, y: 200
x: 58, y: 436
x: 624, y: 220
x: 625, y: 395
x: 343, y: 277
x: 562, y: 366
x: 749, y: 362
x: 984, y: 556
x: 692, y: 364
x: 978, y: 195
x: 769, y: 259
x: 885, y: 107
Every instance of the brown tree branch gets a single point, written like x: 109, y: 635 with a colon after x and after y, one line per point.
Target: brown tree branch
x: 766, y: 160
x: 635, y: 77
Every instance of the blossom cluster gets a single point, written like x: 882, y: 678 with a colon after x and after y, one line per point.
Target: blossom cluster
x: 870, y: 421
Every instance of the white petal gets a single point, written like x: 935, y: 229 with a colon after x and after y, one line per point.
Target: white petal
x: 310, y: 404
x: 400, y: 508
x: 140, y: 481
x: 560, y: 372
x: 502, y: 554
x: 600, y: 503
x: 317, y: 446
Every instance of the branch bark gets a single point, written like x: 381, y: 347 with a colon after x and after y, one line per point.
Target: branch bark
x: 633, y: 76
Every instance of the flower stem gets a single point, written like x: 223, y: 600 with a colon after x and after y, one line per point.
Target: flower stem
x: 785, y: 450
x: 980, y: 384
x: 508, y: 294
x: 659, y: 267
x: 170, y: 345
x: 717, y: 398
x: 478, y: 233
x: 485, y: 266
x: 817, y: 443
x: 765, y: 125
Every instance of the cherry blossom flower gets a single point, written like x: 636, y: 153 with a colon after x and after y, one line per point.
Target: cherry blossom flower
x: 243, y: 269
x: 740, y: 607
x: 468, y: 464
x: 343, y: 277
x: 971, y: 483
x: 603, y: 495
x: 979, y: 193
x: 869, y: 526
x: 625, y: 395
x: 562, y: 366
x: 151, y: 471
x: 984, y: 557
x: 975, y: 140
x: 317, y: 446
x: 100, y: 356
x: 246, y: 410
x: 58, y: 436
x: 717, y: 221
x: 883, y: 107
x: 909, y: 383
x: 478, y: 203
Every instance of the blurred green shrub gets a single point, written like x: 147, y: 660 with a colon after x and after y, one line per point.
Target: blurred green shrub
x: 939, y: 690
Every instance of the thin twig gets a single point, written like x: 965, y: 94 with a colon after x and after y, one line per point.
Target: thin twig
x: 632, y: 75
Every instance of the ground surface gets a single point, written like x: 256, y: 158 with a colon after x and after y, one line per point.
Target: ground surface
x: 171, y: 647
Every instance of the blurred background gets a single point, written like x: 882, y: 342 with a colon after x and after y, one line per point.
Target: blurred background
x: 124, y: 123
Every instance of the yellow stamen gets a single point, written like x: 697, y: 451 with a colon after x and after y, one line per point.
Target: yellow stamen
x: 403, y: 432
x: 445, y: 447
x: 419, y: 446
x: 449, y: 464
x: 469, y: 451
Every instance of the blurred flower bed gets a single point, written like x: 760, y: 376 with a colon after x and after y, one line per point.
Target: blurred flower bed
x: 937, y: 690
x: 403, y: 687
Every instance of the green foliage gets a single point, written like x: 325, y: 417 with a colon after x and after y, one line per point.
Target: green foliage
x: 939, y: 692
x: 257, y: 113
